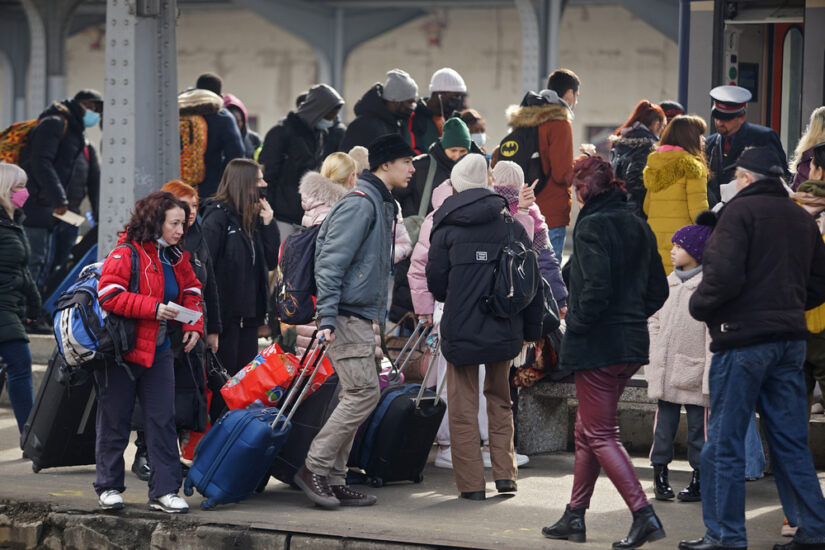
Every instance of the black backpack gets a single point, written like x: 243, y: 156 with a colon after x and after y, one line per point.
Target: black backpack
x: 522, y: 146
x: 295, y: 287
x: 517, y: 277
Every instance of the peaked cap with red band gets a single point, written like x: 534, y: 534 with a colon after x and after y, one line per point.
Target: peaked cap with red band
x: 729, y: 101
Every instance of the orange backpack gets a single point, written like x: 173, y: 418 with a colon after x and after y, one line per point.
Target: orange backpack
x: 192, y: 149
x: 16, y: 136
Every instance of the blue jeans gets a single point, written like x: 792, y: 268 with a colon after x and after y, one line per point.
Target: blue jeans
x: 18, y: 359
x: 64, y: 237
x: 40, y: 242
x: 557, y: 235
x: 754, y: 453
x: 770, y: 377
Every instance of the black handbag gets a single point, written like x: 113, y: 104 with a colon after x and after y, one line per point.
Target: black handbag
x: 216, y: 378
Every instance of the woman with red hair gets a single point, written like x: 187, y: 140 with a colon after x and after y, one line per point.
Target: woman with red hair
x: 616, y: 281
x: 155, y: 233
x: 630, y: 145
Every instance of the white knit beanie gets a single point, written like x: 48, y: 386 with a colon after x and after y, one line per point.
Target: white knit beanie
x: 469, y: 173
x: 508, y: 174
x: 447, y: 80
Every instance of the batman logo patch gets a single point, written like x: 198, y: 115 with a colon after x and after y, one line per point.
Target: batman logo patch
x: 508, y: 148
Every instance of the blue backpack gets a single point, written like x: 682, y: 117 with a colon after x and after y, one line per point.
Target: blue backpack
x: 87, y: 335
x: 295, y: 287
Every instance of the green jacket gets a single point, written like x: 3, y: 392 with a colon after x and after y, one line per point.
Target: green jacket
x: 616, y: 281
x: 19, y: 298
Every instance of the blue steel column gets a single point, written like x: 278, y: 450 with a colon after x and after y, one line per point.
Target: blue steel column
x: 141, y: 144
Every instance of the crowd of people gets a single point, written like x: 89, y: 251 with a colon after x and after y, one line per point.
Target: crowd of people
x: 702, y: 258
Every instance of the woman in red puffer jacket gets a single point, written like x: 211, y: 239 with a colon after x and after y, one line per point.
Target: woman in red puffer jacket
x: 165, y: 276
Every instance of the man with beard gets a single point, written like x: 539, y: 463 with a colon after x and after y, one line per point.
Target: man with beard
x: 383, y: 109
x: 733, y: 135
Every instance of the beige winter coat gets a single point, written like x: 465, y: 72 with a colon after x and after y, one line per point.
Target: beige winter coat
x: 679, y: 349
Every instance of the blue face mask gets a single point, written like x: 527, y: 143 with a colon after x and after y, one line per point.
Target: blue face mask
x: 90, y: 118
x: 323, y: 124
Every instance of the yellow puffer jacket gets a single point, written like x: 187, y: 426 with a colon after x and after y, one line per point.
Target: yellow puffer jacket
x: 676, y: 184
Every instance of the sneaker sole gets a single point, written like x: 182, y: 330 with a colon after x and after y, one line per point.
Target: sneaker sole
x: 446, y: 465
x: 358, y: 502
x: 320, y: 501
x: 156, y: 506
x: 111, y: 507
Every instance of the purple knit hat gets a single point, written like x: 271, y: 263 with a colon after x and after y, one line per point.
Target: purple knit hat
x: 693, y: 237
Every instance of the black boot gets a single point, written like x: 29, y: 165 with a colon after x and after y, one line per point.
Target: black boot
x: 691, y: 493
x: 646, y: 528
x: 140, y: 467
x: 570, y: 527
x: 661, y: 485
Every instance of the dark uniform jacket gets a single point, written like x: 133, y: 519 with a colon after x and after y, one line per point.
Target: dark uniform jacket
x: 763, y: 266
x: 720, y: 165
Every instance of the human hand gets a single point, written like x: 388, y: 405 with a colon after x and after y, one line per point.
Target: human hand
x: 428, y: 320
x: 60, y: 210
x: 165, y: 312
x: 562, y: 312
x: 326, y: 335
x: 266, y: 211
x: 190, y: 338
x: 527, y: 195
x: 212, y: 342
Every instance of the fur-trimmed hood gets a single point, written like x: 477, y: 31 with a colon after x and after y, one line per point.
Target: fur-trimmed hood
x: 199, y: 102
x: 536, y: 115
x: 318, y: 195
x: 664, y: 168
x: 631, y: 142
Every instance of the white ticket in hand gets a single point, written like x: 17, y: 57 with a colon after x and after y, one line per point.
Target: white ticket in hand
x: 185, y: 315
x: 71, y: 218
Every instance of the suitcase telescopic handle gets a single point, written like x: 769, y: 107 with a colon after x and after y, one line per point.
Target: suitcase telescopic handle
x: 420, y: 333
x: 317, y: 355
x: 423, y: 387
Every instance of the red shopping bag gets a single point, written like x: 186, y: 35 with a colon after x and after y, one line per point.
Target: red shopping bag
x: 263, y: 382
x: 325, y: 370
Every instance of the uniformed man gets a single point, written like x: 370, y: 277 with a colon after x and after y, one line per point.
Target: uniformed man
x: 733, y: 135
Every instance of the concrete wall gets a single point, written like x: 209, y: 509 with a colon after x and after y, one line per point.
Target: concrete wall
x: 619, y: 58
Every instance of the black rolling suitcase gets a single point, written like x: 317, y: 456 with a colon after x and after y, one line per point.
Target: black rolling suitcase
x: 308, y: 420
x: 397, y: 438
x: 60, y: 430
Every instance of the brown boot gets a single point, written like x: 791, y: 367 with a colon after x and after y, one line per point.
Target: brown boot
x: 350, y: 497
x: 316, y: 488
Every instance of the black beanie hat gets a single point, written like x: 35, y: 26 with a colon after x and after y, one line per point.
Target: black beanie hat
x: 387, y: 148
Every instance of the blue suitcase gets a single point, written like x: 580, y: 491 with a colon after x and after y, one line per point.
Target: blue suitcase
x: 235, y: 455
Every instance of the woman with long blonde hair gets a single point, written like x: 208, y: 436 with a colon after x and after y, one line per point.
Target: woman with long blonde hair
x: 19, y: 299
x: 243, y: 240
x: 814, y: 135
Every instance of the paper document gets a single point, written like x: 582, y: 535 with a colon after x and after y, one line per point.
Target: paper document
x: 71, y: 218
x: 185, y: 315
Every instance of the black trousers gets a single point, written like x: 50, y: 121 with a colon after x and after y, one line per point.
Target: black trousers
x: 238, y: 344
x: 664, y: 432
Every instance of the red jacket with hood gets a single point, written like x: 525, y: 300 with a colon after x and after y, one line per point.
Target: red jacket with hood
x: 114, y: 295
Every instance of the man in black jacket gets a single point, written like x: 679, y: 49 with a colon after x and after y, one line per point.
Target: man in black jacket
x: 763, y: 266
x: 292, y: 148
x: 49, y: 159
x: 382, y: 110
x: 469, y: 233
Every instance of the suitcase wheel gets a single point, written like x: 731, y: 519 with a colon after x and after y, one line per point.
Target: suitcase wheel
x: 208, y: 504
x: 187, y: 488
x: 262, y: 485
x: 418, y: 478
x: 377, y: 482
x: 35, y: 467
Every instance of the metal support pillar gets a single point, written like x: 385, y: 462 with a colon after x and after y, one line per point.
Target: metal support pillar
x: 700, y: 76
x: 684, y: 51
x: 531, y: 78
x: 552, y: 24
x: 14, y: 57
x: 813, y: 72
x: 36, y: 98
x: 141, y: 144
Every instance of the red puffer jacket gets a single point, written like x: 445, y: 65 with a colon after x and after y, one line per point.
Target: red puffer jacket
x: 115, y: 297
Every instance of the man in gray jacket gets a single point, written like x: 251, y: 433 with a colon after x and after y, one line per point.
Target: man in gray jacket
x: 353, y: 260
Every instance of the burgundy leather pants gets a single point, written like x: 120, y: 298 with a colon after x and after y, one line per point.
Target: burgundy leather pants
x: 597, y: 437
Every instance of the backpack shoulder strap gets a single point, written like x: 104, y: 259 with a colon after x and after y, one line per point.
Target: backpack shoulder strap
x: 428, y: 188
x: 134, y: 279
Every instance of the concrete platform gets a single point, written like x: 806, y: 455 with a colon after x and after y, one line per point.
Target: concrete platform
x: 428, y: 514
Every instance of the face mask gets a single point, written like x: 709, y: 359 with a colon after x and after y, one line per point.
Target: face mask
x: 263, y: 192
x: 323, y: 124
x: 479, y: 139
x: 19, y: 197
x: 452, y: 105
x: 90, y: 118
x: 162, y: 242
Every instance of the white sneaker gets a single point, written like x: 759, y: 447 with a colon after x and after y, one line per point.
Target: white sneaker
x: 110, y: 500
x: 521, y: 460
x: 444, y: 458
x: 171, y: 504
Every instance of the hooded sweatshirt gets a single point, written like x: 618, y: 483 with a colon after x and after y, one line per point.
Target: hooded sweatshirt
x: 251, y: 140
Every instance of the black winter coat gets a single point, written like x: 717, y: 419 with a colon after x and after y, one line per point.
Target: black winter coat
x: 720, y: 165
x: 333, y: 137
x: 469, y: 233
x: 85, y: 180
x: 763, y: 266
x: 223, y: 144
x: 204, y: 268
x: 18, y: 294
x: 291, y: 149
x: 372, y: 119
x: 241, y: 264
x: 616, y: 281
x: 49, y: 158
x: 629, y: 158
